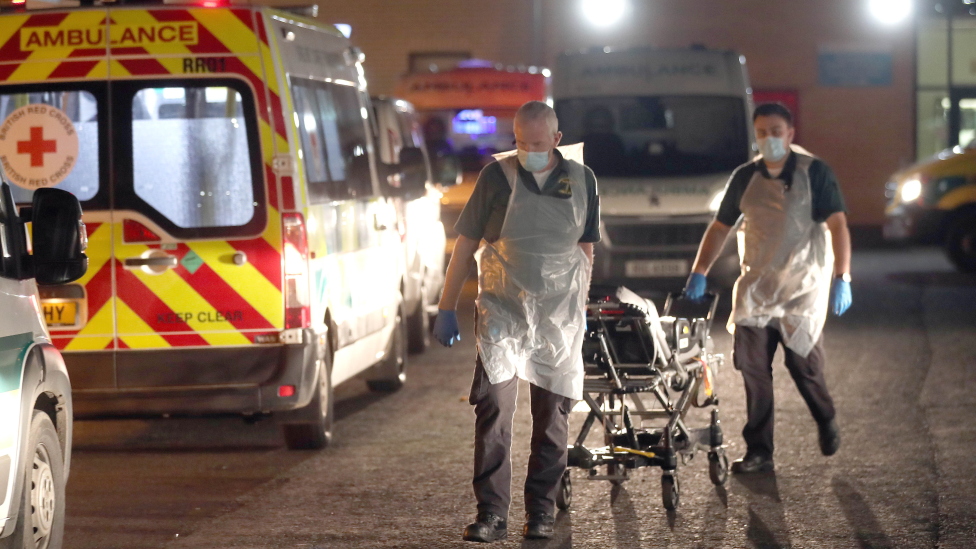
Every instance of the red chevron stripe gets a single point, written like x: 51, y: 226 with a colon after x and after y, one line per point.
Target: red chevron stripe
x: 73, y: 69
x: 220, y: 295
x: 44, y: 20
x: 7, y: 70
x: 272, y: 190
x: 99, y: 290
x: 143, y: 66
x: 246, y: 17
x: 151, y: 309
x: 262, y: 30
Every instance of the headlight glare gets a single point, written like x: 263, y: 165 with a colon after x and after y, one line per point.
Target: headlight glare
x: 911, y: 190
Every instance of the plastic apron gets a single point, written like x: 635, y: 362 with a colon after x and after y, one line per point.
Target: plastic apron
x: 786, y: 263
x: 532, y: 288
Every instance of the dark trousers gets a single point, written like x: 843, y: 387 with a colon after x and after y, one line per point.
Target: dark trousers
x: 752, y: 354
x: 494, y: 408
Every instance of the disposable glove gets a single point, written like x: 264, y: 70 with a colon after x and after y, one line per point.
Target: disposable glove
x: 446, y: 328
x: 840, y: 296
x: 695, y: 287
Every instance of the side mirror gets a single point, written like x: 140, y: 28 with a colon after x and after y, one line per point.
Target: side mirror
x: 59, y: 237
x: 447, y: 169
x: 412, y: 172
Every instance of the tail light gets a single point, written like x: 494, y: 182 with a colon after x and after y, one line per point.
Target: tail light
x: 297, y: 310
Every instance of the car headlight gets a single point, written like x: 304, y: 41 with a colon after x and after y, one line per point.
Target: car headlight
x: 911, y: 190
x: 716, y: 201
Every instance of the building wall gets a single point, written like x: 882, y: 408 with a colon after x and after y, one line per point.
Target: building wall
x: 864, y: 133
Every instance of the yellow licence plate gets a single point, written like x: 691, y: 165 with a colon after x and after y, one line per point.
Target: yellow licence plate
x: 61, y: 314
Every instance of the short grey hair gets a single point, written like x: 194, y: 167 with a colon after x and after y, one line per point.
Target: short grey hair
x: 536, y: 110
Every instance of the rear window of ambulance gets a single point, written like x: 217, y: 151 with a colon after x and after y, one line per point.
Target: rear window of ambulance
x: 195, y: 161
x: 50, y: 137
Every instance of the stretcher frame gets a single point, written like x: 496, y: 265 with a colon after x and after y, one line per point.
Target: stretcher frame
x: 675, y: 371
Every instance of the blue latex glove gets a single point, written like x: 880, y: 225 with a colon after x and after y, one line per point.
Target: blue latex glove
x: 840, y: 296
x: 695, y: 287
x: 446, y: 328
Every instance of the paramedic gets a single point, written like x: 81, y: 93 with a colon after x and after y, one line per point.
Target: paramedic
x: 788, y: 200
x: 538, y: 215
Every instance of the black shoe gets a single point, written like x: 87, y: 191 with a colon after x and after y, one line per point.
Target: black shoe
x: 488, y: 527
x: 539, y: 526
x: 751, y: 464
x: 829, y: 437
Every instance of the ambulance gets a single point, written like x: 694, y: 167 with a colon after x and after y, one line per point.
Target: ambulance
x: 467, y: 115
x: 662, y: 130
x: 244, y: 258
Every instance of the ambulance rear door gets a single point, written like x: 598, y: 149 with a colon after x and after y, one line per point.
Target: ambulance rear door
x: 198, y: 236
x: 54, y: 132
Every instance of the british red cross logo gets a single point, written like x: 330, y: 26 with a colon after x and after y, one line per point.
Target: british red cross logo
x: 36, y: 146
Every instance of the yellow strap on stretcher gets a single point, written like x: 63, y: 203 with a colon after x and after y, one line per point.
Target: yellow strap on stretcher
x: 618, y: 449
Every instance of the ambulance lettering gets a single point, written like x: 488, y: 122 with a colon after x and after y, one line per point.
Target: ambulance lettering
x: 202, y: 317
x: 183, y: 33
x: 193, y: 65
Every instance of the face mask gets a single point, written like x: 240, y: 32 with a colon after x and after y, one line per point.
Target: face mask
x: 533, y: 161
x: 772, y: 148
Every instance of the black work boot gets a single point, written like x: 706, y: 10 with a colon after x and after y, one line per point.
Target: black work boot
x: 488, y: 527
x: 751, y: 464
x: 539, y: 526
x: 829, y: 437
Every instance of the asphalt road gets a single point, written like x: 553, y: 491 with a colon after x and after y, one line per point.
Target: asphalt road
x: 902, y: 370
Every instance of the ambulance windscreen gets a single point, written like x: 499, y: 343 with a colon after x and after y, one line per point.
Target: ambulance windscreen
x: 191, y: 156
x: 655, y: 136
x: 50, y: 138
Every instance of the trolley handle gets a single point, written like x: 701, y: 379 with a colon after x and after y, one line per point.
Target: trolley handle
x: 710, y: 301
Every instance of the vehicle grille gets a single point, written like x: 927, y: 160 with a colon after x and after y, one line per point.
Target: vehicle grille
x: 682, y: 234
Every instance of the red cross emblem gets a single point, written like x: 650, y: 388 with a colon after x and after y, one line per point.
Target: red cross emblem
x: 36, y: 146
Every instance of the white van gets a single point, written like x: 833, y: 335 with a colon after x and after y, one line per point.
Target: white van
x: 663, y: 131
x: 244, y: 258
x: 401, y: 141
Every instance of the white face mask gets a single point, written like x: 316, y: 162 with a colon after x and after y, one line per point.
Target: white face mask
x: 533, y: 161
x: 772, y: 148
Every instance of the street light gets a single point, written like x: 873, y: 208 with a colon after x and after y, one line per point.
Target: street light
x: 890, y: 12
x: 603, y: 13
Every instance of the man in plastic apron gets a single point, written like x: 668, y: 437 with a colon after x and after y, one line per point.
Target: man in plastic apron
x: 538, y: 214
x: 787, y: 200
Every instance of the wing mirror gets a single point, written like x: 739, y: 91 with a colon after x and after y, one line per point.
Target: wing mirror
x: 58, y: 235
x: 412, y: 172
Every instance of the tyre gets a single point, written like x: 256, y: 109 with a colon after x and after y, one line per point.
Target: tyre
x: 564, y: 497
x: 316, y: 433
x: 670, y: 491
x: 418, y: 324
x: 391, y: 374
x: 40, y: 524
x: 961, y: 242
x: 718, y: 468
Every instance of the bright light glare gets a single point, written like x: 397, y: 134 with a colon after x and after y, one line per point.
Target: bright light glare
x: 716, y: 202
x: 604, y: 13
x: 911, y: 190
x: 890, y: 12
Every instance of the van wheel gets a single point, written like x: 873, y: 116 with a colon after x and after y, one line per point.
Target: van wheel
x: 40, y: 524
x: 391, y: 374
x: 418, y: 324
x: 317, y: 433
x: 961, y: 242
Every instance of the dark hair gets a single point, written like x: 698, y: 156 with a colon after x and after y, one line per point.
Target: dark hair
x: 773, y: 109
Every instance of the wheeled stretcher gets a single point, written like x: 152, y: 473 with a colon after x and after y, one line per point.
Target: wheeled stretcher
x: 643, y: 372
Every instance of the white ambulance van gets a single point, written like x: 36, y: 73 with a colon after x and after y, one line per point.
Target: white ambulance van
x: 418, y: 203
x: 243, y: 256
x: 663, y: 131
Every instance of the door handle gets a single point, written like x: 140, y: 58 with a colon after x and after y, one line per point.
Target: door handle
x: 158, y: 261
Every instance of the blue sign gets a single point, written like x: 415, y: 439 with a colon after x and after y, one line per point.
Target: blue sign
x: 473, y: 122
x: 854, y: 69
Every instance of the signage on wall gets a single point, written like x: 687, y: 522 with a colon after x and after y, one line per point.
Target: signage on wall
x: 854, y: 67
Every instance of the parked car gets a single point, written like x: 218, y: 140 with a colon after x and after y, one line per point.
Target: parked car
x: 418, y: 204
x: 35, y: 393
x: 934, y: 201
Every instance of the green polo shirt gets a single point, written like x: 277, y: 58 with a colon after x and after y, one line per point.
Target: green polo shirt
x: 484, y: 214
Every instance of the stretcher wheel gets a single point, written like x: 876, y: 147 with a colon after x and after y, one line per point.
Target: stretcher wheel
x: 718, y: 468
x: 670, y: 491
x: 564, y: 497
